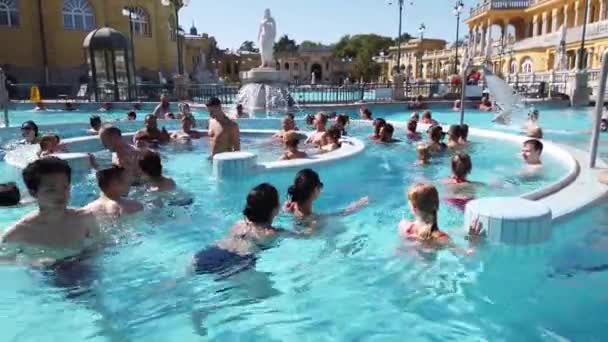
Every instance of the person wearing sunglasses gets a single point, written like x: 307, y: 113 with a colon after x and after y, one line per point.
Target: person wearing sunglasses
x: 30, y: 133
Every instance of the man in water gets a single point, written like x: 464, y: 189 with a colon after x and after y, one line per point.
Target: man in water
x: 124, y: 155
x: 163, y: 108
x: 531, y: 152
x: 151, y: 134
x: 239, y: 111
x: 187, y: 132
x: 55, y: 231
x: 95, y: 123
x: 287, y: 125
x: 318, y: 137
x: 114, y: 185
x: 224, y: 134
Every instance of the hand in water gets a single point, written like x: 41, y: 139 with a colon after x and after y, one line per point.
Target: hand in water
x: 476, y: 231
x: 356, y: 205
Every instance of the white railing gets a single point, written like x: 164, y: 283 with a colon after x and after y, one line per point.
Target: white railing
x: 595, y: 30
x: 499, y: 5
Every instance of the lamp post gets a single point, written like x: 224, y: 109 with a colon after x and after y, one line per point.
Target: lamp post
x: 457, y: 10
x: 581, y: 52
x: 421, y: 30
x: 400, y: 5
x: 177, y: 5
x: 127, y: 11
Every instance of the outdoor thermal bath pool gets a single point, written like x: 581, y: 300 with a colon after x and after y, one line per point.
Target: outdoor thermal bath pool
x: 350, y: 282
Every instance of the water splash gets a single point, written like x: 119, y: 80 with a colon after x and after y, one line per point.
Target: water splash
x: 256, y: 97
x: 512, y: 107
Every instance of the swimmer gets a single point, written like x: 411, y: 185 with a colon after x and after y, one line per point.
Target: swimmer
x: 287, y: 125
x: 123, y: 154
x: 224, y: 134
x: 111, y: 204
x: 386, y: 134
x: 603, y: 125
x: 309, y: 119
x: 306, y: 189
x: 106, y: 107
x: 531, y: 152
x: 131, y: 116
x: 152, y: 169
x: 365, y: 114
x: 30, y: 133
x: 436, y: 135
x: 342, y: 121
x: 411, y: 133
x: 291, y: 139
x: 454, y: 136
x: 48, y: 145
x: 427, y: 118
x: 486, y: 104
x: 535, y: 132
x: 95, y: 122
x: 239, y: 111
x: 69, y: 106
x: 423, y: 155
x: 415, y: 116
x: 237, y: 251
x: 39, y: 107
x: 378, y: 124
x: 418, y: 103
x: 319, y: 136
x: 184, y: 111
x: 9, y: 195
x: 424, y: 205
x: 151, y: 133
x: 163, y: 108
x: 464, y: 134
x: 187, y: 132
x: 54, y: 231
x: 460, y: 189
x: 332, y: 139
x: 456, y: 106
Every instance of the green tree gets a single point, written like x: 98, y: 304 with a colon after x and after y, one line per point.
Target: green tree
x: 248, y: 46
x: 352, y: 46
x: 310, y: 44
x: 285, y: 45
x: 404, y: 37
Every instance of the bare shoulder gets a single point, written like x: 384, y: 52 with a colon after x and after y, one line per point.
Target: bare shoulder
x: 21, y: 230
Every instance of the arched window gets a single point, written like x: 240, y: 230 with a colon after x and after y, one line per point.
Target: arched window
x: 9, y: 13
x: 172, y: 30
x: 141, y: 22
x: 513, y: 67
x: 527, y: 66
x: 78, y: 15
x: 286, y: 66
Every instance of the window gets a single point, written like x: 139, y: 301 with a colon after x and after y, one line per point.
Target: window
x: 513, y: 68
x: 78, y: 15
x: 527, y: 66
x: 9, y: 13
x: 141, y: 22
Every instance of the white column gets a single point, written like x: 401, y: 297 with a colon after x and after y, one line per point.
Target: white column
x: 473, y: 36
x: 554, y: 20
x: 602, y: 14
x: 565, y: 22
x: 590, y: 14
x: 488, y: 40
x: 544, y: 26
x: 577, y: 15
x: 483, y: 39
x: 535, y: 26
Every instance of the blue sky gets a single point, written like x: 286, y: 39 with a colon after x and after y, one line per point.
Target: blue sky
x: 234, y: 21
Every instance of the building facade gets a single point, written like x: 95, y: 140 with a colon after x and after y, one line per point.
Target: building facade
x: 522, y: 37
x: 420, y: 59
x: 320, y: 61
x: 46, y: 36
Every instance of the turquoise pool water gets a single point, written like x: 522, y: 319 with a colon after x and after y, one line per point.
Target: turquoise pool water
x: 353, y: 281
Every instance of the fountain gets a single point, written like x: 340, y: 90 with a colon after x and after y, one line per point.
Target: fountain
x: 265, y: 88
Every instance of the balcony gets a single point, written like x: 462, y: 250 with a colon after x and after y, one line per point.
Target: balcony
x: 499, y: 5
x: 596, y: 30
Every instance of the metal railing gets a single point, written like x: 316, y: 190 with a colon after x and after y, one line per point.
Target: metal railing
x: 499, y: 4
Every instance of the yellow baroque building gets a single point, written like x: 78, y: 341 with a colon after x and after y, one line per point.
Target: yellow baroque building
x: 522, y: 36
x: 42, y: 39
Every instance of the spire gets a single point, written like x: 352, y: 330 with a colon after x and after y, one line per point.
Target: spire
x: 193, y: 30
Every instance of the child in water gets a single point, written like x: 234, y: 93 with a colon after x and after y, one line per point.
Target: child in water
x: 291, y: 139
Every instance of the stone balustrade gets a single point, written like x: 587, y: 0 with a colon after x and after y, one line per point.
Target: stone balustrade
x: 499, y: 5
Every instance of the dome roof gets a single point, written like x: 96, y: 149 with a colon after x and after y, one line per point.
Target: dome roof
x: 105, y: 38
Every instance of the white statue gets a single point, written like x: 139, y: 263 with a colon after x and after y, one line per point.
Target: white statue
x: 266, y: 36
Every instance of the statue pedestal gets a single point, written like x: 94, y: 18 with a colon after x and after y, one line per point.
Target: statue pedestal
x: 265, y: 76
x: 398, y: 88
x: 578, y: 89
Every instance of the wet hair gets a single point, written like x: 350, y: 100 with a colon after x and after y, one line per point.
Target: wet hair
x: 106, y: 177
x: 388, y: 128
x: 214, y: 101
x: 335, y: 132
x: 605, y: 122
x: 309, y: 119
x: 290, y: 115
x: 30, y: 124
x: 95, y: 120
x: 323, y: 117
x: 427, y: 114
x: 455, y: 132
x: 461, y: 165
x: 112, y: 131
x: 304, y: 185
x: 149, y: 116
x: 132, y: 114
x: 415, y: 116
x: 34, y: 171
x: 367, y: 112
x: 261, y: 203
x: 378, y: 124
x: 425, y: 198
x: 535, y: 144
x: 343, y: 119
x: 291, y: 139
x: 419, y: 98
x: 464, y: 131
x: 412, y: 125
x: 46, y: 141
x: 9, y: 194
x: 151, y: 165
x: 436, y: 133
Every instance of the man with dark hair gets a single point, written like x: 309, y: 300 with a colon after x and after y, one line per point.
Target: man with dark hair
x: 55, y: 230
x: 95, y: 122
x: 365, y: 113
x: 163, y: 108
x: 386, y: 134
x: 111, y: 204
x: 224, y: 134
x: 187, y: 132
x: 151, y: 134
x: 131, y: 116
x: 123, y: 154
x: 531, y: 152
x: 152, y: 169
x: 9, y: 194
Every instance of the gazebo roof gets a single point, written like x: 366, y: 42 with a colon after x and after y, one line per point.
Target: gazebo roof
x: 105, y: 38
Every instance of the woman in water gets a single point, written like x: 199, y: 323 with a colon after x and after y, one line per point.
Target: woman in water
x: 460, y: 189
x: 305, y: 190
x: 237, y: 251
x: 30, y: 133
x: 332, y: 139
x: 454, y: 135
x: 342, y: 121
x: 435, y: 136
x: 378, y: 124
x: 411, y: 133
